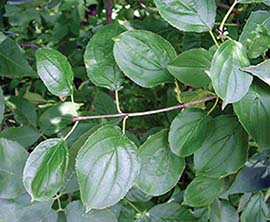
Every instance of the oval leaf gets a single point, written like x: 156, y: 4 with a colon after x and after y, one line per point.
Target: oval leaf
x: 100, y: 65
x: 143, y: 57
x: 253, y: 111
x: 202, y: 191
x: 106, y: 166
x: 75, y: 213
x: 188, y: 15
x: 190, y: 66
x: 12, y: 160
x: 45, y: 168
x: 224, y: 150
x: 229, y: 82
x: 188, y: 131
x: 55, y: 71
x: 161, y: 169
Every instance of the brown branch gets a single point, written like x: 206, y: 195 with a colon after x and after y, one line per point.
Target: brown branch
x: 145, y: 113
x: 109, y: 8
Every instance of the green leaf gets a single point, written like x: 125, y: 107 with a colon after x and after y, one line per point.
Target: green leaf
x: 267, y: 2
x: 256, y: 210
x: 55, y: 72
x: 188, y: 15
x: 103, y: 103
x: 223, y: 212
x: 13, y: 63
x: 57, y: 118
x: 261, y: 71
x: 190, y: 66
x: 106, y: 166
x: 255, y: 35
x: 75, y: 213
x: 24, y: 135
x: 253, y: 177
x: 143, y: 57
x: 253, y: 111
x: 2, y: 105
x: 45, y: 168
x: 22, y: 209
x: 224, y: 151
x: 161, y: 169
x: 170, y: 212
x: 229, y: 82
x: 202, y: 191
x: 12, y: 160
x: 136, y: 195
x: 101, y: 68
x: 188, y: 131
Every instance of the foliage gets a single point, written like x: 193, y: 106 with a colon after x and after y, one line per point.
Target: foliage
x: 187, y: 82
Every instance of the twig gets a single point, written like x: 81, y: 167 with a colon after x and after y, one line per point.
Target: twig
x: 222, y: 5
x: 145, y: 113
x: 109, y: 11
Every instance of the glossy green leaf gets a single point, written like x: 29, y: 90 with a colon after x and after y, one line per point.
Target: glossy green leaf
x: 13, y: 63
x: 70, y: 183
x: 255, y: 36
x: 12, y: 160
x: 170, y: 212
x: 267, y: 2
x: 224, y: 151
x: 161, y: 169
x: 261, y: 71
x: 57, y: 118
x: 55, y: 71
x: 45, y: 168
x: 100, y: 65
x: 21, y: 209
x: 188, y: 15
x: 256, y: 210
x: 253, y: 111
x: 202, y: 191
x: 75, y: 213
x: 106, y: 166
x: 24, y: 135
x: 136, y: 195
x: 2, y: 105
x: 188, y: 131
x: 190, y: 66
x: 229, y: 82
x: 143, y: 57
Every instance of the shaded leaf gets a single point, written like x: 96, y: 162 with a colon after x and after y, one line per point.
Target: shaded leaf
x: 224, y: 151
x: 12, y: 160
x: 143, y: 57
x: 75, y: 212
x: 24, y: 135
x: 2, y: 105
x: 12, y: 61
x: 45, y: 168
x: 223, y: 212
x: 22, y: 209
x: 106, y: 166
x: 188, y: 16
x: 229, y: 82
x: 188, y: 131
x: 161, y: 169
x: 256, y: 211
x: 55, y: 71
x: 100, y: 65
